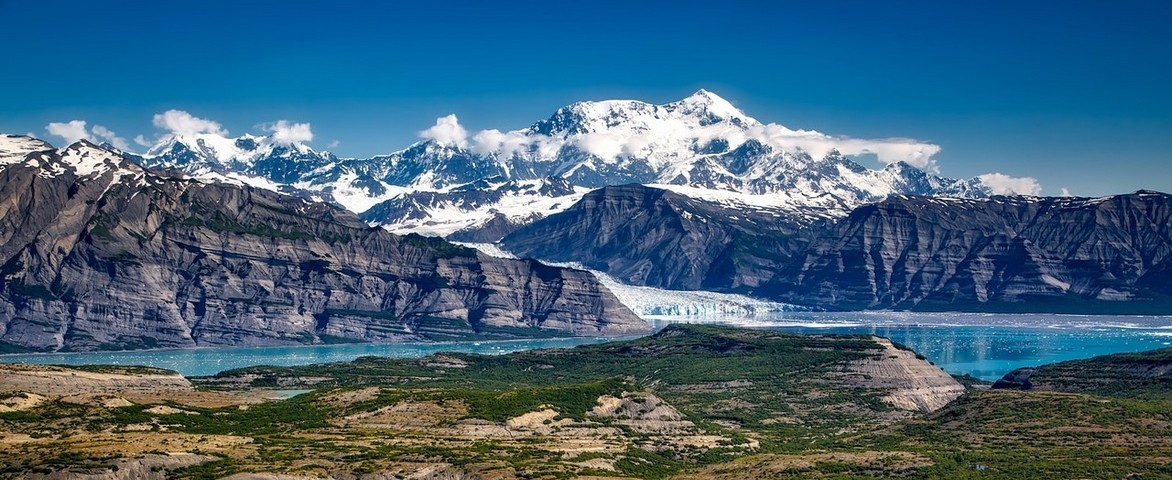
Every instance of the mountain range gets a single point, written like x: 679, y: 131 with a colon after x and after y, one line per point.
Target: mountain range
x: 97, y: 252
x: 697, y: 195
x: 995, y: 254
x: 209, y: 240
x: 481, y: 188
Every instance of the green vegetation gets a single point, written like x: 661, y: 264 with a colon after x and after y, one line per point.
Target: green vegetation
x: 765, y: 404
x: 571, y: 401
x: 442, y: 248
x: 122, y: 369
x: 219, y: 222
x: 1143, y: 374
x: 1012, y: 434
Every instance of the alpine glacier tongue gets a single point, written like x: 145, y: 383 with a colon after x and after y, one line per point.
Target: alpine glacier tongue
x: 702, y: 143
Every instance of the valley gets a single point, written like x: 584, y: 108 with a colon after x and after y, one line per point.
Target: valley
x: 688, y: 402
x: 480, y: 240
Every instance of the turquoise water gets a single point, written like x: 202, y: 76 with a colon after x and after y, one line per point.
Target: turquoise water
x: 208, y: 361
x: 986, y: 346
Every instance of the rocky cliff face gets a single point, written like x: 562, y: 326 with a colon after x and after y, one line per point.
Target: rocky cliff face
x: 96, y: 253
x: 1110, y: 254
x: 1025, y: 254
x: 648, y: 236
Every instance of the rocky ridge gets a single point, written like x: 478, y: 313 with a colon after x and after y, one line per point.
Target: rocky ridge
x: 1004, y: 253
x: 98, y: 253
x: 700, y: 142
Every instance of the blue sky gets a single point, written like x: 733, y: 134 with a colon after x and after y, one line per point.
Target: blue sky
x: 1075, y: 94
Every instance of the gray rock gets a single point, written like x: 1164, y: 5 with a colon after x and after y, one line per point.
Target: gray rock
x: 1001, y: 254
x: 1024, y: 254
x: 96, y: 253
x: 648, y: 236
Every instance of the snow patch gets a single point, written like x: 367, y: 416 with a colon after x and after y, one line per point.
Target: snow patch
x: 14, y: 148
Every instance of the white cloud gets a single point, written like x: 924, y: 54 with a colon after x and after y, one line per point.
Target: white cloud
x: 70, y: 131
x: 602, y: 145
x: 333, y: 144
x: 109, y: 136
x: 141, y: 140
x: 1066, y: 192
x: 491, y: 141
x: 1002, y: 184
x: 75, y: 130
x: 288, y: 133
x: 613, y: 143
x: 888, y: 150
x: 179, y: 122
x: 447, y: 131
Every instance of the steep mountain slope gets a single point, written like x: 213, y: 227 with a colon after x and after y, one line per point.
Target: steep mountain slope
x: 700, y: 142
x: 649, y: 236
x: 461, y: 212
x: 1026, y: 254
x: 1111, y: 254
x: 98, y: 253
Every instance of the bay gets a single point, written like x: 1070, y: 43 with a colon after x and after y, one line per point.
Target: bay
x: 983, y: 345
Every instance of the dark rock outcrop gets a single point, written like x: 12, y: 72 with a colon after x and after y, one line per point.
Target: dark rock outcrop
x: 96, y: 253
x: 1026, y: 254
x: 1002, y: 254
x: 648, y: 236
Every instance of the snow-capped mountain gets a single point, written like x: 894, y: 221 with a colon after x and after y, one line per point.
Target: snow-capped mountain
x: 699, y: 146
x: 259, y: 156
x: 481, y: 211
x: 82, y: 159
x: 97, y: 253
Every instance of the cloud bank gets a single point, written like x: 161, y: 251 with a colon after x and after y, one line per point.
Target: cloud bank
x: 447, y: 131
x: 287, y: 133
x: 181, y: 123
x: 608, y: 144
x: 75, y: 130
x: 1002, y: 184
x: 70, y: 131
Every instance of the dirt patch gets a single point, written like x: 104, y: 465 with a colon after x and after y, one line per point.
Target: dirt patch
x: 56, y: 381
x: 540, y: 421
x: 444, y: 361
x: 408, y: 415
x: 21, y: 401
x: 773, y: 465
x: 168, y: 410
x: 343, y: 398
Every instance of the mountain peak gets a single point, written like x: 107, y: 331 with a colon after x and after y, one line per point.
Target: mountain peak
x: 13, y: 148
x: 705, y: 97
x: 704, y: 100
x: 89, y: 159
